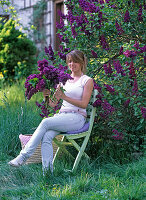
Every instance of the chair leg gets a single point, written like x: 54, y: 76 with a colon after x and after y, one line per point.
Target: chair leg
x: 61, y: 148
x: 78, y: 147
x: 78, y: 158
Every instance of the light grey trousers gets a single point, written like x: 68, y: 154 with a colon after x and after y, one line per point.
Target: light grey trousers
x: 47, y: 130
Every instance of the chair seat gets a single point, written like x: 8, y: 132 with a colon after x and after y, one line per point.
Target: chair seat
x: 83, y: 129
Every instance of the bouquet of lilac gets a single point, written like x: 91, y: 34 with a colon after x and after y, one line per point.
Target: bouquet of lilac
x: 48, y: 78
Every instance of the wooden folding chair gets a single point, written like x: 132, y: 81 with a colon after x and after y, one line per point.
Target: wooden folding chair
x: 69, y: 139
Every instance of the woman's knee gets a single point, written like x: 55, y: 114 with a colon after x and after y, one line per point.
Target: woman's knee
x: 49, y: 135
x: 44, y: 123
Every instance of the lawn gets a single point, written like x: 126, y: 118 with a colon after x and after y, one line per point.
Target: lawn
x: 93, y: 180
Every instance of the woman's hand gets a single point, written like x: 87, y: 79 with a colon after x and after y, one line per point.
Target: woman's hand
x: 59, y: 93
x: 46, y: 93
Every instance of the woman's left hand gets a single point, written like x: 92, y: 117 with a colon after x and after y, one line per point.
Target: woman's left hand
x: 59, y: 93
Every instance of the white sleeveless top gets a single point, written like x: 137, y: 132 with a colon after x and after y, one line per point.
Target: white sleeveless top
x: 75, y: 91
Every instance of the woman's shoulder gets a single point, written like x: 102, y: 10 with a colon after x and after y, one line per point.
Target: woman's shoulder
x: 84, y: 79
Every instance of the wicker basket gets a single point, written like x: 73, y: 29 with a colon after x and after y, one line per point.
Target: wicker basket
x: 36, y: 157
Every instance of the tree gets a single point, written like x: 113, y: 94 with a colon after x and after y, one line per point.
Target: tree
x: 17, y: 52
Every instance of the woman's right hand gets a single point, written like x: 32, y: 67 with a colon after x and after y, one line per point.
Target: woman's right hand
x: 46, y: 93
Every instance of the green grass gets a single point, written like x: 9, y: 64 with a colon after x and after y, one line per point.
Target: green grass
x: 106, y: 180
x: 97, y: 181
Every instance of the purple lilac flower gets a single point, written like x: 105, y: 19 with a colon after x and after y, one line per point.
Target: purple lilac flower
x: 143, y: 111
x: 97, y: 87
x: 108, y: 109
x: 94, y: 54
x: 118, y: 67
x: 49, y: 52
x: 62, y: 56
x: 132, y: 70
x: 142, y: 49
x: 136, y: 45
x: 113, y: 6
x: 121, y: 51
x: 110, y: 89
x: 127, y: 63
x: 117, y: 135
x: 130, y: 54
x: 135, y: 87
x: 61, y: 24
x: 144, y: 59
x: 127, y: 16
x: 74, y: 33
x: 108, y: 69
x: 81, y: 20
x: 97, y: 103
x: 119, y: 28
x: 61, y: 14
x: 101, y: 2
x: 99, y: 96
x: 70, y: 17
x: 126, y: 103
x: 89, y: 7
x: 103, y: 42
x: 107, y: 1
x: 140, y: 14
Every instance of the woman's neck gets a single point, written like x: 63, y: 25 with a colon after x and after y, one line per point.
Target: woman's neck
x: 76, y: 75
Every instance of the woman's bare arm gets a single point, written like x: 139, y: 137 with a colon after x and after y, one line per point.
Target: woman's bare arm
x: 79, y: 103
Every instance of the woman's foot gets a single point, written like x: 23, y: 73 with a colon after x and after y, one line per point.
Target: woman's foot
x: 17, y: 162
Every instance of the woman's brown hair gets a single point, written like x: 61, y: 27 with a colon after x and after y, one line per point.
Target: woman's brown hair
x: 77, y: 57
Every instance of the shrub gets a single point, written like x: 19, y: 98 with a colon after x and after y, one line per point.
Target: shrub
x: 17, y: 52
x: 114, y: 44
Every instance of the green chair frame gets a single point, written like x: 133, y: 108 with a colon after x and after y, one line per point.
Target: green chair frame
x: 69, y: 139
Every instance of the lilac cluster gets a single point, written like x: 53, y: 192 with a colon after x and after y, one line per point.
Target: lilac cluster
x: 119, y: 28
x: 142, y: 49
x: 108, y: 109
x: 94, y: 54
x: 126, y: 103
x: 127, y: 16
x: 132, y: 70
x: 62, y: 52
x: 140, y: 14
x: 135, y: 87
x: 117, y: 135
x: 103, y: 42
x: 61, y: 24
x: 89, y: 7
x: 74, y: 33
x: 50, y: 53
x: 48, y: 78
x: 45, y: 111
x: 97, y: 103
x: 121, y: 51
x: 31, y: 90
x: 110, y: 89
x: 108, y: 69
x: 118, y: 67
x: 130, y: 53
x: 143, y: 111
x: 136, y: 45
x: 97, y: 87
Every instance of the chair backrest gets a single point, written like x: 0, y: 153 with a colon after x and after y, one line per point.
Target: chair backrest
x: 91, y: 111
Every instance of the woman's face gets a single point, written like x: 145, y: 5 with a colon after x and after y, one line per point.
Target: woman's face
x: 74, y: 66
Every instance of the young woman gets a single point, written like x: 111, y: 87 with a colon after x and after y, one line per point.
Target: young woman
x: 71, y: 116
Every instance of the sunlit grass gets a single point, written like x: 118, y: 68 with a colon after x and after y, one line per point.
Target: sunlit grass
x: 92, y: 181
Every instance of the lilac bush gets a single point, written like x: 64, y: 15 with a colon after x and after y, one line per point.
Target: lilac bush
x: 113, y: 40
